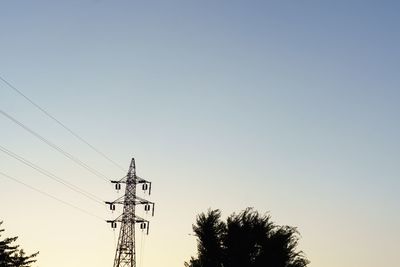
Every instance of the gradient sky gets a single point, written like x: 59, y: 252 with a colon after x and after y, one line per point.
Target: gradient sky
x: 290, y: 107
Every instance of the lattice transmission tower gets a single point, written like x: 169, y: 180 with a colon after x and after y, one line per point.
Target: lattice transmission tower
x: 125, y: 255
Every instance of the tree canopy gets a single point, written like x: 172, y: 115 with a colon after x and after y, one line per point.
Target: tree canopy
x: 11, y: 255
x: 246, y: 239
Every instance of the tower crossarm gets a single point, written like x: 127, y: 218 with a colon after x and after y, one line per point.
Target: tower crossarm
x: 139, y: 180
x: 146, y: 185
x: 119, y: 200
x: 143, y: 201
x: 144, y: 224
x: 148, y: 205
x: 138, y: 201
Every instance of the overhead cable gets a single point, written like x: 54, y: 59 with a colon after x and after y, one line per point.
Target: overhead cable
x: 45, y: 112
x: 51, y: 175
x: 50, y: 196
x: 57, y: 148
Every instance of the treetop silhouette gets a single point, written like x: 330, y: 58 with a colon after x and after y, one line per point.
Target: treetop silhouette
x: 11, y: 255
x: 246, y: 239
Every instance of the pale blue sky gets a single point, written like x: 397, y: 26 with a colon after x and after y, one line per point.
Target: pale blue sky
x: 287, y: 106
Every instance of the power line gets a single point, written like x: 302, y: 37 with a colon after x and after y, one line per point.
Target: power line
x: 50, y: 196
x: 61, y: 124
x: 66, y: 154
x: 51, y: 175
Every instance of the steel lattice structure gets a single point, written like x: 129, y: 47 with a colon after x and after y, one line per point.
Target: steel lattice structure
x: 125, y: 255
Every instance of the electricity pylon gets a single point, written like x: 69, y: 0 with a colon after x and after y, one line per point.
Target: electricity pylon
x: 125, y: 255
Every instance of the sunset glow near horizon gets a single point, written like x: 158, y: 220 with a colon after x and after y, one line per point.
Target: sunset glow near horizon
x: 290, y: 107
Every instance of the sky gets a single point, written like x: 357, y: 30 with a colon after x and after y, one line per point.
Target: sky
x: 290, y: 107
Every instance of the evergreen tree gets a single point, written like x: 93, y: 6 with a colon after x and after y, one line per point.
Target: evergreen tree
x: 11, y: 255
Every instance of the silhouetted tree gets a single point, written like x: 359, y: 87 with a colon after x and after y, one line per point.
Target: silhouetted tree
x: 247, y: 239
x: 11, y: 255
x: 209, y: 230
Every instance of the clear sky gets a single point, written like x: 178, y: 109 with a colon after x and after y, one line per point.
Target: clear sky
x: 290, y: 107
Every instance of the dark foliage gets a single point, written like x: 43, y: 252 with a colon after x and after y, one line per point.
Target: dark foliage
x: 11, y: 255
x: 247, y: 239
